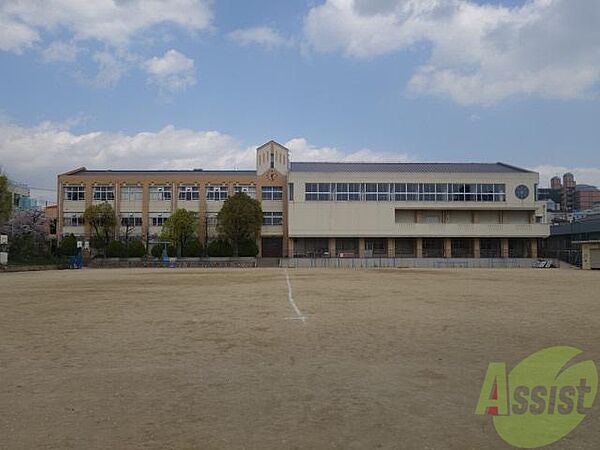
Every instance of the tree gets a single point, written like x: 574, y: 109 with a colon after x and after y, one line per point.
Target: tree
x: 5, y: 200
x: 193, y: 249
x: 28, y: 234
x: 219, y: 248
x: 102, y: 220
x: 136, y: 249
x: 68, y: 246
x: 179, y: 229
x: 157, y: 250
x: 116, y: 249
x: 239, y: 220
x: 248, y: 248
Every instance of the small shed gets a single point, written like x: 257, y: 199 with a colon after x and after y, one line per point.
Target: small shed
x: 590, y: 254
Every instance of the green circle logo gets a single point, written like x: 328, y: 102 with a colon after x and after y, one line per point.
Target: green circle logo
x: 544, y: 398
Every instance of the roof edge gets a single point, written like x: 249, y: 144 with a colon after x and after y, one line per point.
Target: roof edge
x: 520, y: 169
x: 74, y: 171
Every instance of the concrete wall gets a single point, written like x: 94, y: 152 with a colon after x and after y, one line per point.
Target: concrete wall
x: 586, y: 255
x: 512, y: 218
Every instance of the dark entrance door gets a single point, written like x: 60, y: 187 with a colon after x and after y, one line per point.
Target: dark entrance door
x: 272, y: 247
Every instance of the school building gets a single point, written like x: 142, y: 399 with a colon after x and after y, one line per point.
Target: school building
x: 320, y: 209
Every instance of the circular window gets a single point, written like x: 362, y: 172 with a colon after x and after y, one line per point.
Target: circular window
x: 522, y: 192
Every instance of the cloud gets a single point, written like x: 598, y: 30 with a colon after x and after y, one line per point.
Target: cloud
x: 59, y: 51
x: 112, y: 66
x: 302, y: 150
x: 35, y: 155
x: 173, y: 71
x: 115, y: 25
x: 264, y: 36
x: 583, y: 175
x: 478, y: 53
x: 108, y: 21
x: 15, y: 36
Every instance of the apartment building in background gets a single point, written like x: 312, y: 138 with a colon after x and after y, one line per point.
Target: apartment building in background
x: 314, y: 209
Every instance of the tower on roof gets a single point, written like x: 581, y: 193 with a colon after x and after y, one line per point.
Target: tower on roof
x: 272, y: 156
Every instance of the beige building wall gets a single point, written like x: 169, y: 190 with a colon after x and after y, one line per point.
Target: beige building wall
x: 512, y: 218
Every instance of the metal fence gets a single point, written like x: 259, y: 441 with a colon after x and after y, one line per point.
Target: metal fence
x: 365, y: 263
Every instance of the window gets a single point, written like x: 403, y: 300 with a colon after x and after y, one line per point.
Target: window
x: 216, y: 193
x: 74, y: 193
x: 158, y: 219
x: 485, y: 193
x: 377, y: 191
x: 347, y: 192
x: 248, y: 189
x: 477, y: 192
x: 212, y: 220
x: 132, y: 194
x: 188, y: 193
x: 104, y: 193
x: 317, y: 191
x: 272, y: 218
x: 160, y: 193
x: 272, y: 160
x: 272, y: 193
x: 441, y: 192
x: 427, y: 192
x: 73, y: 220
x: 403, y: 192
x: 291, y: 191
x: 131, y: 221
x: 412, y: 192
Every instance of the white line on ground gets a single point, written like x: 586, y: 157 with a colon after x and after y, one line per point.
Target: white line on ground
x: 299, y: 315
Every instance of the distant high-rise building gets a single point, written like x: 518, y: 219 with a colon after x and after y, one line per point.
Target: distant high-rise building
x: 568, y: 192
x: 555, y: 184
x: 572, y: 197
x: 586, y: 196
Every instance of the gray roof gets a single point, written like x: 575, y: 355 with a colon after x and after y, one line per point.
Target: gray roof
x: 588, y: 225
x: 166, y: 172
x: 405, y: 167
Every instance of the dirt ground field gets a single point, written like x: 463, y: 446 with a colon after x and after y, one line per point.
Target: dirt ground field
x: 213, y: 359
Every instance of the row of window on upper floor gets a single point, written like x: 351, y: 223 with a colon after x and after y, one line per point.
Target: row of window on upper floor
x: 401, y: 192
x: 164, y: 193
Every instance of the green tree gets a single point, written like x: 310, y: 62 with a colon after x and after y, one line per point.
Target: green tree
x: 116, y: 249
x: 68, y: 246
x: 103, y: 221
x: 193, y: 249
x: 136, y: 249
x: 219, y: 248
x: 248, y: 248
x: 179, y: 229
x: 157, y: 250
x: 239, y: 220
x: 5, y: 200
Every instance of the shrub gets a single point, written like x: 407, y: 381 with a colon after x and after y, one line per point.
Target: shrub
x: 68, y: 246
x: 136, y: 249
x: 248, y: 248
x: 116, y: 249
x: 157, y: 250
x: 219, y: 249
x: 193, y: 249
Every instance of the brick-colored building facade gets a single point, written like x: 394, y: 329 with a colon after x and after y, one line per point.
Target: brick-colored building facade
x: 144, y: 199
